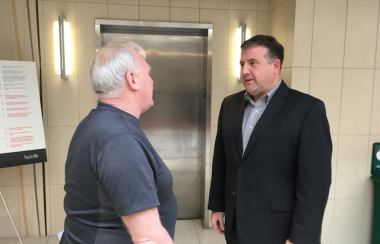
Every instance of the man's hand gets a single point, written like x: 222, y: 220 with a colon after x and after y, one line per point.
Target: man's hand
x: 288, y: 242
x: 217, y: 221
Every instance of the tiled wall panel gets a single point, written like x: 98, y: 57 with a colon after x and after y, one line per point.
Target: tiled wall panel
x: 331, y: 78
x: 361, y: 32
x: 62, y: 98
x: 348, y: 217
x: 303, y: 33
x: 220, y: 35
x: 301, y: 79
x: 356, y: 107
x: 150, y: 13
x: 87, y: 98
x: 243, y: 4
x: 123, y: 12
x: 214, y: 4
x: 5, y: 28
x: 375, y: 117
x: 219, y: 92
x: 85, y: 30
x: 59, y: 141
x: 351, y: 167
x: 184, y: 3
x: 130, y: 2
x: 11, y: 196
x: 184, y: 15
x: 329, y: 33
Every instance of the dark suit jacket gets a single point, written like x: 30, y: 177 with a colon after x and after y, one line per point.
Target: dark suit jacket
x: 280, y: 186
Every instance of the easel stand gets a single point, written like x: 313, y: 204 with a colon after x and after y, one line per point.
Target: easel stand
x: 10, y: 216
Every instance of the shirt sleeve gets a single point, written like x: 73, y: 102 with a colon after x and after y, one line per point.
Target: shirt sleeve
x: 127, y: 171
x: 313, y: 176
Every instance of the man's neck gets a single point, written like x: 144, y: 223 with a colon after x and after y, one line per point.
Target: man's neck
x: 123, y: 104
x: 276, y: 83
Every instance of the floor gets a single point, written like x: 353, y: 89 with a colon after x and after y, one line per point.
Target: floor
x: 187, y: 232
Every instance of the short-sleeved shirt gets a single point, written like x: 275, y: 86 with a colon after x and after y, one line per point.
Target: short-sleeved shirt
x: 112, y: 170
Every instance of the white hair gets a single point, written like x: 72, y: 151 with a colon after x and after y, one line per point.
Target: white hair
x: 110, y: 66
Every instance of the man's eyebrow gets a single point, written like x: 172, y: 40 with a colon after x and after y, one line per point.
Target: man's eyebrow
x: 252, y: 59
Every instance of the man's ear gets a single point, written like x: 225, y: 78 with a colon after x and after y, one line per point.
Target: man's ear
x: 276, y: 65
x: 132, y: 81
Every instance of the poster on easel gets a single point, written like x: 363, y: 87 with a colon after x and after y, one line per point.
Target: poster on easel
x: 22, y: 139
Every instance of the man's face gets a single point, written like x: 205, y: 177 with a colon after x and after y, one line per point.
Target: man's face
x: 146, y: 85
x: 258, y: 76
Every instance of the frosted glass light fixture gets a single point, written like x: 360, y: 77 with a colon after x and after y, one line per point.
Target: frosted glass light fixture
x: 62, y: 49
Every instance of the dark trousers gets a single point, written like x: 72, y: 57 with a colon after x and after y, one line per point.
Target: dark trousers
x: 234, y: 235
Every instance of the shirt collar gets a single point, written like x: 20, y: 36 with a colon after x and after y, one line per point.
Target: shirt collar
x: 266, y: 98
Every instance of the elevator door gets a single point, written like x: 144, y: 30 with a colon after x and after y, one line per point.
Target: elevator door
x: 173, y: 124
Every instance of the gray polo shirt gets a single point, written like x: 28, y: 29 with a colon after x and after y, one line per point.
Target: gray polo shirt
x: 112, y: 170
x: 253, y: 112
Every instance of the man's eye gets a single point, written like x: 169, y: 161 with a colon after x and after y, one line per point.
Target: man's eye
x: 252, y: 63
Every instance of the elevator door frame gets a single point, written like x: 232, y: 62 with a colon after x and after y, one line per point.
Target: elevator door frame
x: 205, y: 30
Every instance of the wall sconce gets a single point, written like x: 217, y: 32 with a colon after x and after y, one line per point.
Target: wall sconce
x: 62, y: 48
x: 241, y: 35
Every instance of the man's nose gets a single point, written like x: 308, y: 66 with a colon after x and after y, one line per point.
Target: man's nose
x: 244, y: 69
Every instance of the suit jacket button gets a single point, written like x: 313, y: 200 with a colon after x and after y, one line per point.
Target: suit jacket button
x: 240, y: 169
x: 233, y: 193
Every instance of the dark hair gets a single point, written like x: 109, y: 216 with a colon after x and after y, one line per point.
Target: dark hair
x: 275, y: 49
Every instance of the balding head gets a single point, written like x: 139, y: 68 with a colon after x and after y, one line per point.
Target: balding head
x: 110, y: 66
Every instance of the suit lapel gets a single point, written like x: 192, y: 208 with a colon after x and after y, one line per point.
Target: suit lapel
x: 277, y: 102
x: 238, y: 120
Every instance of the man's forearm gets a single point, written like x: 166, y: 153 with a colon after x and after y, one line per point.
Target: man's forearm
x: 145, y: 227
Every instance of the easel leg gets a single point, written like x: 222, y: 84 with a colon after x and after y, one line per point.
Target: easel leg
x: 36, y: 195
x: 44, y: 195
x: 10, y: 216
x: 22, y: 193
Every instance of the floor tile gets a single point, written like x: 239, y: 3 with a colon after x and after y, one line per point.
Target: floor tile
x: 184, y: 225
x: 198, y: 224
x: 209, y: 236
x: 34, y: 240
x: 186, y: 237
x: 53, y: 240
x: 8, y: 240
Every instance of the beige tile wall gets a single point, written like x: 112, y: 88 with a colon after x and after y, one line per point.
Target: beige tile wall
x: 5, y: 28
x: 67, y: 102
x: 281, y: 26
x: 335, y: 58
x: 332, y: 52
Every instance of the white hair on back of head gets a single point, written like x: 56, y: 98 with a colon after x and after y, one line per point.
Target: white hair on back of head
x: 110, y: 66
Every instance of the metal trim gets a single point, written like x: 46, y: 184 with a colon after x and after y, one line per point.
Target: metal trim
x: 243, y: 32
x: 152, y: 24
x: 61, y: 21
x: 207, y: 156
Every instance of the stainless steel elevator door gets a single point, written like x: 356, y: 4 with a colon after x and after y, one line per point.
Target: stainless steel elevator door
x: 172, y: 125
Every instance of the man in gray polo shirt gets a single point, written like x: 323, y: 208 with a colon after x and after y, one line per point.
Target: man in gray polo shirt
x: 114, y: 177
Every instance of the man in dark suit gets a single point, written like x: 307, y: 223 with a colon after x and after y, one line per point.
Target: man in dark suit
x: 271, y: 170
